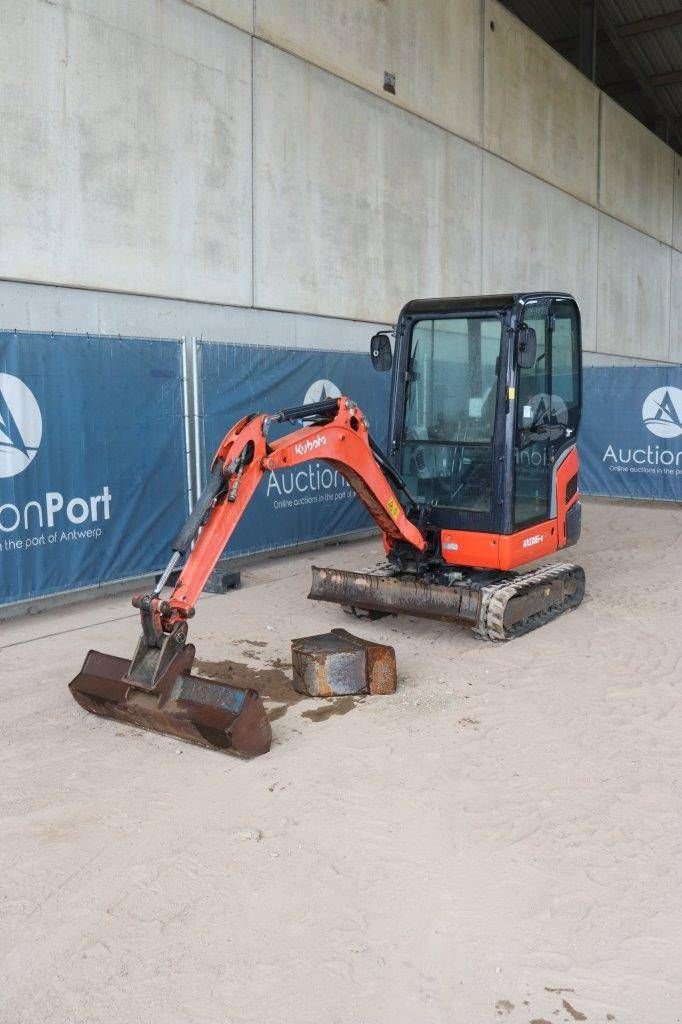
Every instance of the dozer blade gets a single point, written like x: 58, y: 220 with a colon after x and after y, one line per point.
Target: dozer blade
x: 393, y: 595
x: 212, y: 714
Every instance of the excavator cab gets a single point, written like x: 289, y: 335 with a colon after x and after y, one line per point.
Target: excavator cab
x: 484, y: 411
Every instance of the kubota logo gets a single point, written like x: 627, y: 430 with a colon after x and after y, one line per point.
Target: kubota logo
x: 21, y: 426
x: 662, y: 412
x: 310, y: 445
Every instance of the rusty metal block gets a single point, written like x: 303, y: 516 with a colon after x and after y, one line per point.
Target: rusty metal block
x: 337, y: 663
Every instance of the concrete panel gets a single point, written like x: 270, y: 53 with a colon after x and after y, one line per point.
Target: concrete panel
x: 127, y: 156
x: 634, y: 292
x: 636, y: 173
x: 433, y: 47
x: 677, y: 221
x: 35, y: 307
x: 540, y: 113
x: 236, y: 12
x: 675, y: 355
x: 359, y: 206
x: 536, y: 237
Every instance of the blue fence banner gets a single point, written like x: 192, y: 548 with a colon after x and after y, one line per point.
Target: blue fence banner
x: 313, y: 500
x: 630, y: 436
x: 93, y: 481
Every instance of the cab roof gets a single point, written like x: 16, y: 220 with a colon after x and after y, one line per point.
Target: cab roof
x: 475, y: 303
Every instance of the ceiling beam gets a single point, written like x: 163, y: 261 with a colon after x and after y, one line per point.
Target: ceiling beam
x: 569, y: 44
x: 633, y: 84
x: 667, y: 78
x: 636, y: 28
x: 587, y: 47
x: 622, y: 87
x: 660, y: 101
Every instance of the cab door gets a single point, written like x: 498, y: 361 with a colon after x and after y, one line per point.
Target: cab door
x: 548, y: 408
x: 531, y: 499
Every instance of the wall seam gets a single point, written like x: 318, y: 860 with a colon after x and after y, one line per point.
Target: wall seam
x: 483, y: 151
x: 598, y: 274
x: 253, y: 162
x: 670, y: 309
x: 596, y: 297
x: 482, y: 73
x: 599, y: 137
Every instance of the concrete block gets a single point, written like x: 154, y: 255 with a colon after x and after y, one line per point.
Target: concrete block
x: 236, y: 12
x: 433, y: 47
x: 537, y: 237
x: 540, y: 112
x: 634, y: 292
x: 675, y: 354
x: 127, y: 156
x: 636, y: 173
x: 338, y: 663
x: 677, y: 219
x: 359, y: 206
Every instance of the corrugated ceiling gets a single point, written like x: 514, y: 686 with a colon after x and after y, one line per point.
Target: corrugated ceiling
x: 638, y: 54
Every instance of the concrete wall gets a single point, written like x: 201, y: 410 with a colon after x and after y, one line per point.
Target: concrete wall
x: 636, y: 173
x: 126, y: 155
x: 634, y: 292
x: 431, y: 47
x: 540, y: 237
x: 350, y: 218
x: 540, y: 113
x: 676, y: 308
x: 231, y: 154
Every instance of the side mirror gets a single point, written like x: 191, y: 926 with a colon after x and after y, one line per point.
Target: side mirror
x: 526, y: 347
x: 380, y: 352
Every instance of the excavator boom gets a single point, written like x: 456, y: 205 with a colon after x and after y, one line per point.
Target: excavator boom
x: 156, y: 690
x: 245, y: 455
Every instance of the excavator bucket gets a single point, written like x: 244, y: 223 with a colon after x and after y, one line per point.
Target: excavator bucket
x: 172, y: 701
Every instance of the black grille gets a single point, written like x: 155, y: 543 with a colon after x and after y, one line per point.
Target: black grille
x: 571, y: 487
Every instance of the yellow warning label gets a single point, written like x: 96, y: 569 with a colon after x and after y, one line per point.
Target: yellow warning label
x: 393, y: 509
x: 511, y: 392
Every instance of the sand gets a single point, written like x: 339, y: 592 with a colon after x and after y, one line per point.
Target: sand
x: 499, y: 841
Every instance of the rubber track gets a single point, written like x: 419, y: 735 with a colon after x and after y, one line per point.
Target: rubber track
x: 496, y: 598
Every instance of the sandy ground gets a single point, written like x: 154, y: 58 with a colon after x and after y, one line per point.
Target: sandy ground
x: 499, y: 841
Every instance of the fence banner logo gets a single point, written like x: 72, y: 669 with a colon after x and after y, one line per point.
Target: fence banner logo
x: 320, y: 390
x: 662, y: 412
x: 90, y: 487
x: 630, y: 437
x: 21, y: 425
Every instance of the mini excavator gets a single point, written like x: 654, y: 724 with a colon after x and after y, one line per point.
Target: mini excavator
x: 480, y: 478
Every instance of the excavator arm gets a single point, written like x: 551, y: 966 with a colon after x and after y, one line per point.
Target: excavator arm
x: 156, y: 690
x: 338, y: 434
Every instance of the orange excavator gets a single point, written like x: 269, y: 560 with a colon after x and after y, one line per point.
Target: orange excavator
x: 485, y: 405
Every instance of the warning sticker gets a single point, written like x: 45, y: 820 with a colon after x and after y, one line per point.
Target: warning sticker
x: 393, y: 508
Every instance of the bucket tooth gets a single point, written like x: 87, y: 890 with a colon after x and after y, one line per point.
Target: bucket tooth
x: 204, y: 711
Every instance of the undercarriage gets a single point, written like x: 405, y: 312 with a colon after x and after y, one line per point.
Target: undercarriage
x: 496, y: 605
